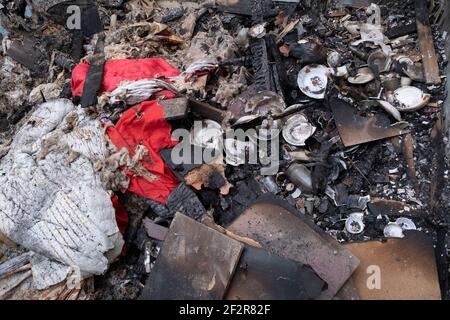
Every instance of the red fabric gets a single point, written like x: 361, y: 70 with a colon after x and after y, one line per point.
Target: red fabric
x: 121, y: 218
x: 141, y: 124
x: 118, y: 70
x: 145, y: 124
x: 121, y: 214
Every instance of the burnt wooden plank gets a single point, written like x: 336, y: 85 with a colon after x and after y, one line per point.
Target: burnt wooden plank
x: 196, y: 262
x: 426, y: 43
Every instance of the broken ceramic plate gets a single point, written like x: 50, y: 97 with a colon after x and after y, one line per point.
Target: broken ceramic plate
x: 312, y: 81
x: 390, y: 82
x: 389, y: 108
x: 393, y: 230
x: 334, y: 59
x: 406, y: 223
x: 404, y: 61
x: 208, y: 136
x: 407, y: 66
x: 410, y: 98
x: 339, y: 71
x: 297, y: 130
x: 378, y: 61
x: 363, y: 76
x: 415, y: 72
x: 354, y: 223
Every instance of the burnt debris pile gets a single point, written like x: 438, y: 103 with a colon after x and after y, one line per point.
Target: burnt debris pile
x: 223, y: 149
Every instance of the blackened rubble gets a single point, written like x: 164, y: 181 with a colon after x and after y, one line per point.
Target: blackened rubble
x: 359, y: 107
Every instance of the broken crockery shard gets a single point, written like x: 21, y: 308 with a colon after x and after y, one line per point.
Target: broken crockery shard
x: 51, y: 199
x: 393, y: 230
x: 406, y: 223
x: 312, y: 81
x: 297, y: 130
x: 354, y: 223
x: 363, y: 75
x: 410, y: 98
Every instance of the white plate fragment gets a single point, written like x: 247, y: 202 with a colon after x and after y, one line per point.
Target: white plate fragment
x: 410, y: 98
x: 297, y: 130
x: 312, y: 81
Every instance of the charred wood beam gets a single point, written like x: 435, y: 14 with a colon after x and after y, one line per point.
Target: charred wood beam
x: 426, y: 43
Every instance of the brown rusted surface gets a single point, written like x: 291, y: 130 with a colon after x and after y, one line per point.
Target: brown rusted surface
x: 282, y: 233
x: 354, y: 129
x: 264, y: 276
x: 196, y: 262
x: 407, y: 268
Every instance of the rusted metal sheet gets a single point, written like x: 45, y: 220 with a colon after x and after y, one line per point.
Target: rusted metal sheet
x: 196, y: 262
x: 354, y: 129
x: 261, y: 275
x: 407, y: 268
x: 278, y: 230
